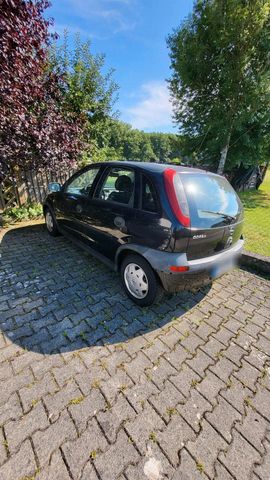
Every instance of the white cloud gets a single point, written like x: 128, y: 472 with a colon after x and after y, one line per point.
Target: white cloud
x: 153, y: 110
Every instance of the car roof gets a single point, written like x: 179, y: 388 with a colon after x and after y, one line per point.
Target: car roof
x: 154, y: 166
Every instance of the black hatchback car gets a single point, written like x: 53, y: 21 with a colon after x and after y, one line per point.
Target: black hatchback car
x: 161, y: 226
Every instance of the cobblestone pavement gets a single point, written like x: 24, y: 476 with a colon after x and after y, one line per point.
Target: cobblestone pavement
x: 93, y: 387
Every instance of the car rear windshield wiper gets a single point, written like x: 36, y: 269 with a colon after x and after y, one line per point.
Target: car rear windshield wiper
x: 222, y: 214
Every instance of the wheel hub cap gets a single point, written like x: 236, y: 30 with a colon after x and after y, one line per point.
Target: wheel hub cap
x: 49, y: 221
x: 136, y: 280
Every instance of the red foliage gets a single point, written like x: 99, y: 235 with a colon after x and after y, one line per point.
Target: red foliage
x: 34, y: 131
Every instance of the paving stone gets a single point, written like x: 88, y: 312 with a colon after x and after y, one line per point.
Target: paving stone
x: 10, y: 386
x: 206, y: 448
x: 194, y: 409
x: 160, y: 372
x: 167, y: 400
x: 21, y: 465
x: 239, y: 457
x: 221, y: 472
x: 200, y: 362
x: 210, y: 386
x: 153, y: 465
x: 173, y: 438
x: 261, y: 402
x: 56, y: 470
x: 185, y: 379
x: 177, y: 356
x: 145, y: 426
x: 223, y: 369
x: 114, y: 461
x: 56, y: 402
x: 136, y: 368
x: 263, y: 469
x: 236, y: 394
x: 77, y: 452
x: 223, y: 418
x: 45, y: 442
x: 140, y: 393
x: 18, y: 430
x: 83, y: 409
x: 111, y: 420
x: 253, y: 428
x: 119, y: 382
x: 35, y: 391
x: 188, y: 469
x: 64, y: 373
x: 248, y: 375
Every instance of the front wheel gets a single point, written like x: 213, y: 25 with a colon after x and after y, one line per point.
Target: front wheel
x: 140, y: 281
x: 51, y: 223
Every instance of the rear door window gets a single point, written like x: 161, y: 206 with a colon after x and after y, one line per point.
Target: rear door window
x: 212, y: 200
x: 148, y: 196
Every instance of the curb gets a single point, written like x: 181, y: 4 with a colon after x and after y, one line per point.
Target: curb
x: 257, y: 262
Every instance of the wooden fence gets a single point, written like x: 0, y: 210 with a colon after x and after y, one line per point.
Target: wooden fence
x: 28, y: 187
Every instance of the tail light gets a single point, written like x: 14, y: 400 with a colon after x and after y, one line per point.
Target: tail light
x: 176, y: 196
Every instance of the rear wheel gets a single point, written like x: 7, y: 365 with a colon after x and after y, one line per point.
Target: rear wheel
x: 140, y: 281
x: 51, y: 223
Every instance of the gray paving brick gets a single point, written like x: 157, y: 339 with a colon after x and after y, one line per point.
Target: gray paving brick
x: 117, y: 457
x: 83, y: 409
x: 111, y: 420
x: 206, y: 447
x: 18, y: 430
x: 78, y: 451
x: 56, y: 470
x: 173, y: 438
x: 146, y: 423
x: 45, y: 442
x: 194, y: 409
x: 21, y: 465
x: 239, y: 457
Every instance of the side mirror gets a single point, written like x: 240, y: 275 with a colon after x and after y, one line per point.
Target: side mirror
x: 54, y: 187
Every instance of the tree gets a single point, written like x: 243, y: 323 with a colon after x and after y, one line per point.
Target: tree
x: 89, y: 92
x: 34, y: 131
x: 220, y: 79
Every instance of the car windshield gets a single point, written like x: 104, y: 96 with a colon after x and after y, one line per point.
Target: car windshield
x: 212, y: 200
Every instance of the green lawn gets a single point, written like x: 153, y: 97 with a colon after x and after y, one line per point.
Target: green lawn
x: 257, y: 218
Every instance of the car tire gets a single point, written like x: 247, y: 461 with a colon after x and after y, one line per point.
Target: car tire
x: 139, y: 280
x: 50, y: 223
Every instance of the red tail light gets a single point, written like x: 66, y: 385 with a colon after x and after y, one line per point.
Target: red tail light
x: 176, y: 196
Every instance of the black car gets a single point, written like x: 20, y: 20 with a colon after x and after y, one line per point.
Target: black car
x: 161, y: 226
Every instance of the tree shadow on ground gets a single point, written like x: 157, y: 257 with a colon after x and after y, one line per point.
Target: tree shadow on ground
x: 56, y: 297
x: 254, y: 199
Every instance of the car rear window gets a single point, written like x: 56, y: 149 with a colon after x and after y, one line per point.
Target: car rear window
x: 212, y: 200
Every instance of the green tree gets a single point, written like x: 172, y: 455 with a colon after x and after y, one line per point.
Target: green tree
x: 220, y: 80
x: 90, y: 91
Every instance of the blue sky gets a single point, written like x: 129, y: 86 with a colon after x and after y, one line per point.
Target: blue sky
x: 132, y: 34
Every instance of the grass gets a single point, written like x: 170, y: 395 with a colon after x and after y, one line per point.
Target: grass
x: 257, y: 218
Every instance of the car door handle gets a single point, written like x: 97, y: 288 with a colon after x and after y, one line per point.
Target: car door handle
x: 79, y: 208
x: 119, y: 222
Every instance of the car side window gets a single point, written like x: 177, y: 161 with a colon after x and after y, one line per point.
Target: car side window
x: 81, y: 184
x: 118, y: 186
x: 149, y: 199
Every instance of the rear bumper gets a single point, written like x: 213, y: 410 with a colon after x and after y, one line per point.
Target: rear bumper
x: 201, y: 271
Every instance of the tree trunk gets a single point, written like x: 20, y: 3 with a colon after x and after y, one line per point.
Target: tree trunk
x: 223, y: 155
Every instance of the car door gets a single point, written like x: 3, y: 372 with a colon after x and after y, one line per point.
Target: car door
x: 110, y: 213
x: 72, y: 205
x: 152, y: 228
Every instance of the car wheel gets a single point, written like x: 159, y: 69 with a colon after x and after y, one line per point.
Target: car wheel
x: 140, y: 281
x: 51, y: 223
